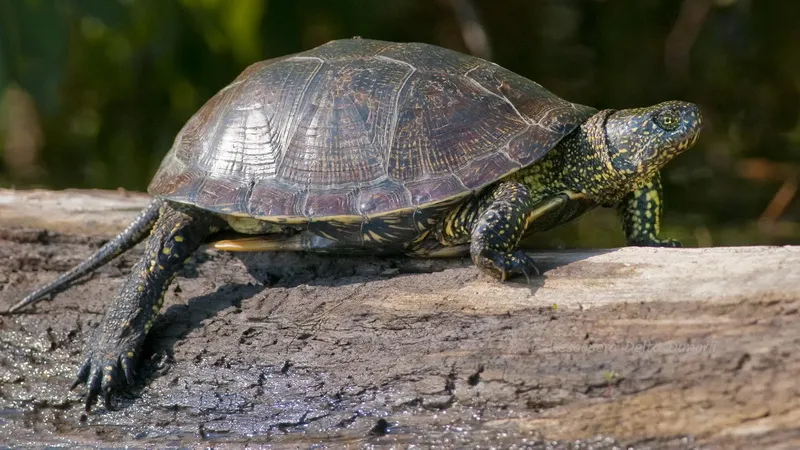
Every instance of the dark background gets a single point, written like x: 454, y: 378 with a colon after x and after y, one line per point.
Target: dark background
x: 94, y: 91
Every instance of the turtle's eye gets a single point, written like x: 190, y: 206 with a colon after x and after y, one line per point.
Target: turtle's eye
x: 667, y: 120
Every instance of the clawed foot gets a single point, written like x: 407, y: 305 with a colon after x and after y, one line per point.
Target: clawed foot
x: 504, y: 266
x: 655, y: 242
x: 101, y: 374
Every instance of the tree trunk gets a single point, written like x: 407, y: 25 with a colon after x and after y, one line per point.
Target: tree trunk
x: 650, y: 348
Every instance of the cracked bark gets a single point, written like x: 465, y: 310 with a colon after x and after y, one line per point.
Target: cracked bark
x: 666, y: 348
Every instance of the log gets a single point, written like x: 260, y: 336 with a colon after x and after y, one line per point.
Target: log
x: 638, y: 347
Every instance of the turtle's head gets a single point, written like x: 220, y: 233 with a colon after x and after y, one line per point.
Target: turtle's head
x: 641, y: 141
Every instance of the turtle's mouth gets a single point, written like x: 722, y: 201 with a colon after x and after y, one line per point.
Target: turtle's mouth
x: 689, y: 131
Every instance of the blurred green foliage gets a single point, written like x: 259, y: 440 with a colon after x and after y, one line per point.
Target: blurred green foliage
x: 94, y: 91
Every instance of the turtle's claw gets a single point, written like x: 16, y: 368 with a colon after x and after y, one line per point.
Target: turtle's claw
x: 655, y: 242
x: 107, y: 399
x: 93, y: 389
x: 104, y: 378
x: 82, y: 376
x: 674, y: 243
x: 524, y: 264
x: 504, y: 266
x: 128, y: 364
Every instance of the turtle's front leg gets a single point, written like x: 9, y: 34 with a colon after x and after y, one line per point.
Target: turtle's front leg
x: 114, y: 347
x: 498, y: 229
x: 640, y: 212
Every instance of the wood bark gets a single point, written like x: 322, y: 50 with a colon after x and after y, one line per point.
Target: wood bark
x: 650, y: 348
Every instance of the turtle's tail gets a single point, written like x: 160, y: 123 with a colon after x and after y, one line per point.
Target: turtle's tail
x: 130, y: 236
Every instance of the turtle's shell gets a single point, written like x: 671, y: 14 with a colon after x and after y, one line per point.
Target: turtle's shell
x: 357, y: 128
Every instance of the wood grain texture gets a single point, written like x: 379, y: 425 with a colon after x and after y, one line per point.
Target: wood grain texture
x: 652, y: 348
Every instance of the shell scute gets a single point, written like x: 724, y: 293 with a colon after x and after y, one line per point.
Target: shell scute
x: 268, y: 199
x: 434, y: 189
x: 385, y: 196
x: 219, y: 193
x: 333, y: 203
x: 492, y: 166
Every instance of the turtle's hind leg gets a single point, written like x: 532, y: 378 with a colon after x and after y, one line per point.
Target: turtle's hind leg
x: 115, y: 345
x: 130, y: 236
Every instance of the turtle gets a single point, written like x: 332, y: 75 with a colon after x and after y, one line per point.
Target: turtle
x: 386, y: 147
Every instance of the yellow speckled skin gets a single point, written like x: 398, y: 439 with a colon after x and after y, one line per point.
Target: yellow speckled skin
x: 120, y: 335
x: 641, y: 211
x: 613, y: 160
